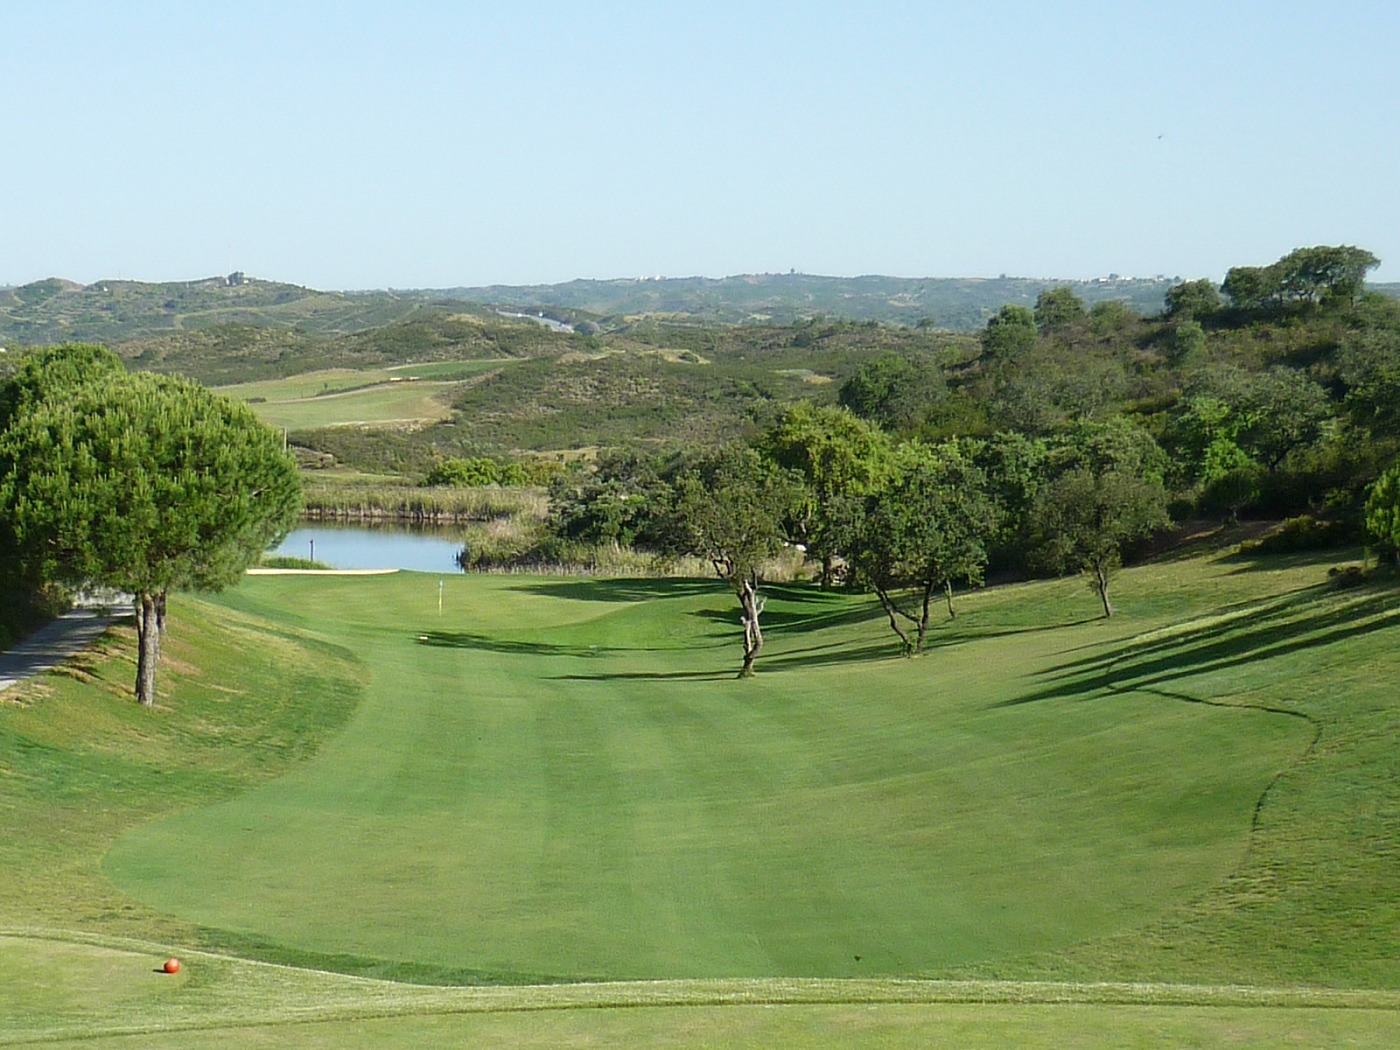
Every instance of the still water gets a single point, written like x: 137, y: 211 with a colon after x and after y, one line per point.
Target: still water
x: 390, y: 547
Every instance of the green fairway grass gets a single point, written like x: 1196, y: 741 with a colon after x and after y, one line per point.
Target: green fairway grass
x: 397, y: 403
x: 341, y: 380
x: 320, y: 383
x: 339, y: 396
x: 559, y: 780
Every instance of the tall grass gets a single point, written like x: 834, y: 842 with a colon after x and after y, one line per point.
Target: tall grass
x: 390, y: 501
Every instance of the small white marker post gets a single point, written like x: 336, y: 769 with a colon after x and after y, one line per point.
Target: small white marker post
x: 439, y: 597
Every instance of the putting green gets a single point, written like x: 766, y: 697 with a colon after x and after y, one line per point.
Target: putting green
x: 560, y: 779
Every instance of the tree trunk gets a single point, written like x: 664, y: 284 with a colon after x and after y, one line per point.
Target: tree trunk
x: 150, y: 622
x: 922, y: 623
x: 893, y: 612
x: 948, y: 594
x: 828, y: 567
x: 752, y: 606
x: 1101, y: 585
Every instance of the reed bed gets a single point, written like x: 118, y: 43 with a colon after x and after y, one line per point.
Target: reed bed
x: 386, y: 501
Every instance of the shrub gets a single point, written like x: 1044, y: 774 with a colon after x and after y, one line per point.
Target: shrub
x: 465, y: 473
x: 285, y: 561
x: 1303, y: 533
x: 1347, y: 576
x: 1383, y: 512
x: 479, y: 471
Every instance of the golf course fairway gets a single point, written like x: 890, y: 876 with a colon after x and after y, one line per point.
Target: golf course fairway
x: 560, y: 780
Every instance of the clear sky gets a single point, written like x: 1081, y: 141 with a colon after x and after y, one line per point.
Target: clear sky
x: 371, y: 145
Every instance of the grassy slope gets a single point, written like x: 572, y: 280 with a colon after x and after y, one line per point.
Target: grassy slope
x: 80, y: 762
x: 1309, y: 897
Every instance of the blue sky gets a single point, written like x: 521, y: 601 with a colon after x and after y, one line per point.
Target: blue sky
x: 370, y: 145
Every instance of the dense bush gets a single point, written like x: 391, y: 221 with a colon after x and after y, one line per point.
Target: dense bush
x: 478, y: 471
x: 1303, y: 533
x: 284, y: 561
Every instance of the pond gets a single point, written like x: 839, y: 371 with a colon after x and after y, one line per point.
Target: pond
x: 381, y: 547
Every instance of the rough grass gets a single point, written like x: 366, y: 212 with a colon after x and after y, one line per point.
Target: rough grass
x: 102, y: 991
x: 558, y: 778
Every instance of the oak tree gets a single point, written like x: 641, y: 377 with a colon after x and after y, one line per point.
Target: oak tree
x: 1084, y: 519
x: 729, y: 510
x: 931, y: 527
x: 839, y: 457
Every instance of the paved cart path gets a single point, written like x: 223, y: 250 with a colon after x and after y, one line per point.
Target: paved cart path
x: 52, y: 644
x: 74, y: 631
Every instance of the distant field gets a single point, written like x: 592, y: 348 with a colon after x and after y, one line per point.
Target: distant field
x: 1183, y: 819
x: 338, y: 396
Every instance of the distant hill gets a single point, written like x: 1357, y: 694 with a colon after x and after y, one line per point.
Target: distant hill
x: 958, y: 304
x: 122, y: 312
x: 54, y: 310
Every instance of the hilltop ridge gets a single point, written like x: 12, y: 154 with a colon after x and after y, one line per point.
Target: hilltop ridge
x: 117, y: 310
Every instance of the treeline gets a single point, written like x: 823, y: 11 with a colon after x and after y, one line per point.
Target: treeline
x: 1262, y: 397
x: 909, y: 520
x: 1072, y: 434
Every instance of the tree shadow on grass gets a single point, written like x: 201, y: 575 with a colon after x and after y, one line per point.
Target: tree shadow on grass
x: 891, y: 647
x: 817, y: 610
x: 777, y: 663
x: 976, y: 633
x: 779, y: 619
x: 1255, y: 561
x: 1242, y: 615
x: 809, y: 593
x: 630, y: 589
x: 828, y: 655
x: 648, y: 676
x: 1309, y: 619
x: 489, y: 644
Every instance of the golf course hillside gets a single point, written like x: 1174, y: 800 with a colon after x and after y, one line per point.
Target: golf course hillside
x: 355, y: 803
x: 413, y: 394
